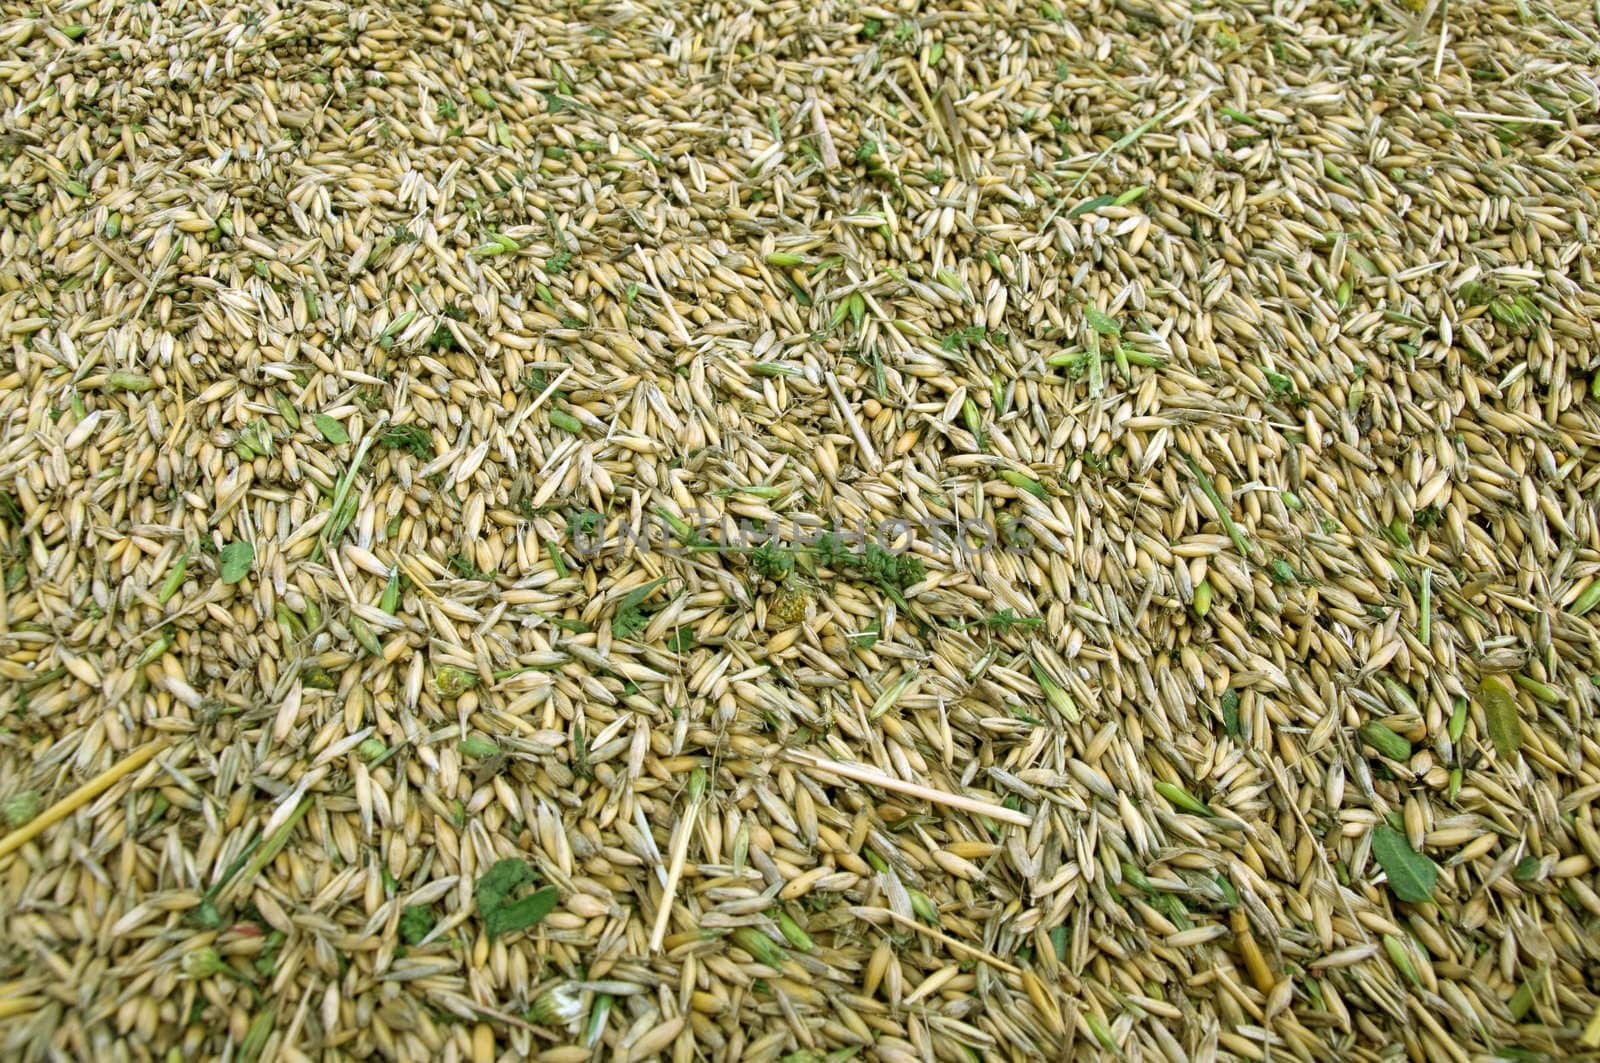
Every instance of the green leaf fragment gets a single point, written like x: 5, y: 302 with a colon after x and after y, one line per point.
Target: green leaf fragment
x: 1223, y: 516
x: 1499, y: 704
x: 410, y: 438
x: 1522, y: 1000
x: 416, y: 923
x: 390, y: 601
x: 630, y: 619
x: 681, y: 529
x: 1090, y: 205
x: 1230, y: 712
x: 503, y: 901
x: 1101, y: 322
x: 330, y: 429
x: 1411, y: 875
x: 236, y: 560
x: 273, y: 844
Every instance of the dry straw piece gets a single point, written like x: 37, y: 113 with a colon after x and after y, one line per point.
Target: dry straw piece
x: 395, y: 398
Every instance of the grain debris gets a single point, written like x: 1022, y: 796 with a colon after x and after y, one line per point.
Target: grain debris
x: 791, y: 532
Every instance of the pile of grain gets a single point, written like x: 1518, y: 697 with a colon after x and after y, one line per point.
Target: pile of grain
x: 350, y: 350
